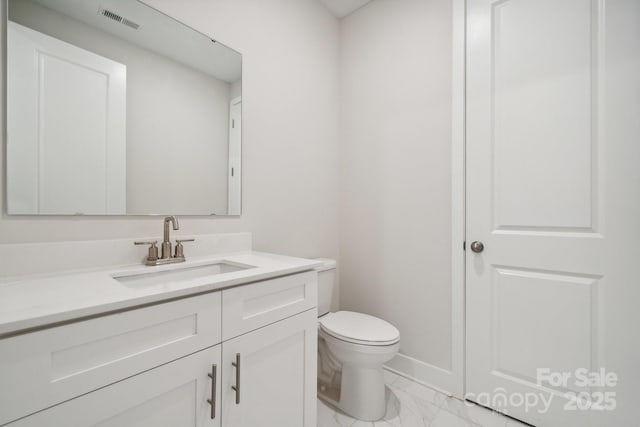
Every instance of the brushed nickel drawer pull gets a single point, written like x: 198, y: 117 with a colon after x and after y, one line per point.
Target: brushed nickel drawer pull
x: 236, y: 387
x: 214, y: 379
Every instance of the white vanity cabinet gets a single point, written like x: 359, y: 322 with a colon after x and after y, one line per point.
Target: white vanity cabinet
x: 270, y: 371
x: 46, y: 367
x: 163, y: 364
x: 270, y: 375
x: 171, y: 395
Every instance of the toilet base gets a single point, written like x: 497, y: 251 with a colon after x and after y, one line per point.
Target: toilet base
x: 363, y: 393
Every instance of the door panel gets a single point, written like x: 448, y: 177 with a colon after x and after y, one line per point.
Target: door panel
x: 55, y: 168
x: 553, y: 193
x: 541, y: 119
x: 71, y: 93
x: 520, y: 327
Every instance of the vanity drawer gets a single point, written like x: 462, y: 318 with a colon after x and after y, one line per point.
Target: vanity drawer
x: 43, y: 368
x: 250, y: 307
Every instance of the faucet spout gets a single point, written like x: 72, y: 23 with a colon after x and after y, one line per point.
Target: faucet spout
x: 174, y: 222
x: 166, y: 244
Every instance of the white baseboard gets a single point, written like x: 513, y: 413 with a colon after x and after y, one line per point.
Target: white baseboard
x: 439, y: 379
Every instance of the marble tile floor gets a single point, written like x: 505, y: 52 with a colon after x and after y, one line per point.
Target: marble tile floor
x: 410, y: 404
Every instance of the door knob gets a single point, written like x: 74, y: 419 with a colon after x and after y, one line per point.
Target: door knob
x: 477, y: 247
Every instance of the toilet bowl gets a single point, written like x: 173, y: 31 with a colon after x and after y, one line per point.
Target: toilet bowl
x: 360, y: 344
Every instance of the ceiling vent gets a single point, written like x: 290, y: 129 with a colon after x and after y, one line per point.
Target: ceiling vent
x: 115, y: 17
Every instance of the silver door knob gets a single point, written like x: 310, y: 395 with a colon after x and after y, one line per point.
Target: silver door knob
x: 477, y: 247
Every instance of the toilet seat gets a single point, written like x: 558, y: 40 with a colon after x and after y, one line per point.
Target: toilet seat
x: 359, y: 328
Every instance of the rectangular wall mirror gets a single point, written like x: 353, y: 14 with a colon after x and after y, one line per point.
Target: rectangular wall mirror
x: 114, y: 108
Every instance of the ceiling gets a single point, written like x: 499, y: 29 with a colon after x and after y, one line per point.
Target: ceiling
x: 341, y: 8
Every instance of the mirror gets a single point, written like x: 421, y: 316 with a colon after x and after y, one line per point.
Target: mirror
x: 114, y: 108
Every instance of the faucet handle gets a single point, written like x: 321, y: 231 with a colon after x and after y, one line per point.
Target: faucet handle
x: 179, y: 248
x: 153, y: 250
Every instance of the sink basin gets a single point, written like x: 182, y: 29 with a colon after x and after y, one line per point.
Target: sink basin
x: 180, y: 274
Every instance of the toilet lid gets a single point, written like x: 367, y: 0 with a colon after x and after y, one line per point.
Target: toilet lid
x: 359, y: 328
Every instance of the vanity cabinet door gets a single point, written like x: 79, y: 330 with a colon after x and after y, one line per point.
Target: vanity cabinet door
x: 270, y: 375
x: 171, y: 395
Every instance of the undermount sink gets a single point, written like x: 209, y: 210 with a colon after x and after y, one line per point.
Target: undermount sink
x: 179, y: 274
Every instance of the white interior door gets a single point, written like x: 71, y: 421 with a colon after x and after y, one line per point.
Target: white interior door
x: 235, y: 156
x: 54, y: 167
x: 553, y: 193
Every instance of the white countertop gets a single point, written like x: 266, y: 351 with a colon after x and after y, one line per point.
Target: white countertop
x: 37, y: 301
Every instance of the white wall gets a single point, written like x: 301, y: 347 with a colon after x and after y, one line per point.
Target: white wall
x: 290, y: 132
x: 395, y: 245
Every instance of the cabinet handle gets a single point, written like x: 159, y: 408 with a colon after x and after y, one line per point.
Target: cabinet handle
x: 214, y: 379
x: 236, y: 387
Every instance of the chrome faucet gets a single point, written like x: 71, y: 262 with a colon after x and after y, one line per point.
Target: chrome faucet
x: 166, y: 258
x: 166, y: 243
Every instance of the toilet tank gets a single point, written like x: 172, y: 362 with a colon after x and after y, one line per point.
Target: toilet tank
x: 328, y: 296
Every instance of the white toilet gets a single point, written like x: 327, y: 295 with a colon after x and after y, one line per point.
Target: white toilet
x: 352, y: 347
